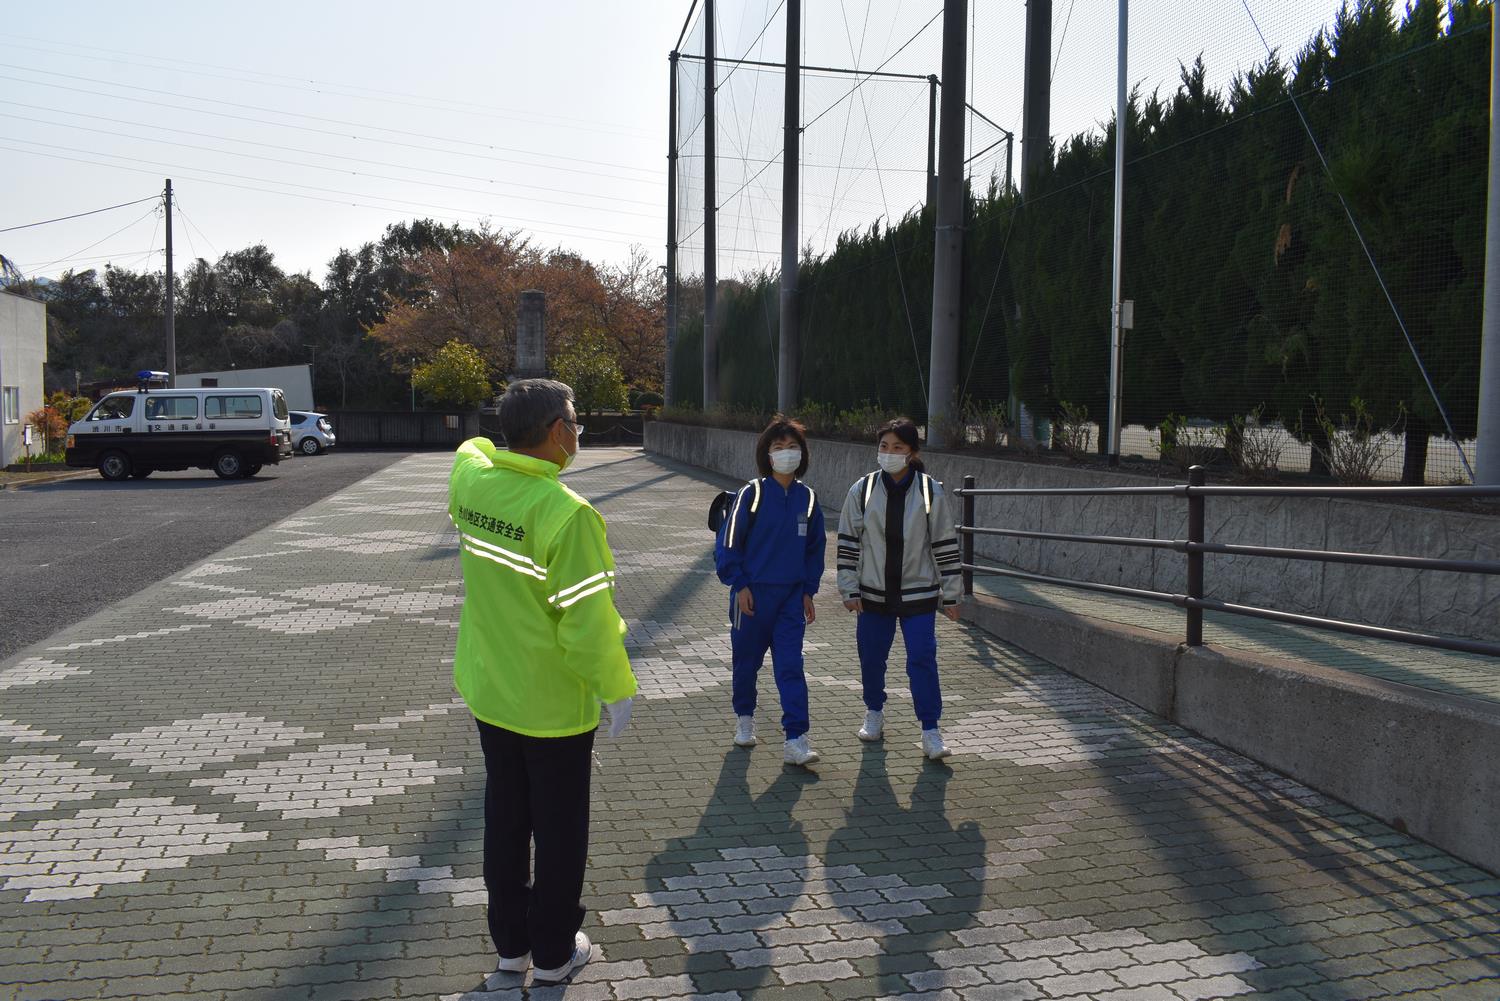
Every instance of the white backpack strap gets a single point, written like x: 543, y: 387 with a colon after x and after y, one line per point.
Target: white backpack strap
x: 926, y: 482
x: 755, y: 502
x: 869, y: 489
x: 812, y: 500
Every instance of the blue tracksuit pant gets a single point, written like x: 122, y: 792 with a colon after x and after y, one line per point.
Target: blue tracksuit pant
x: 874, y: 632
x: 777, y: 625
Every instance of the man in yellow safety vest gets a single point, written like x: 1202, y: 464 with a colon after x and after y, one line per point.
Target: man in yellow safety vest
x: 540, y: 647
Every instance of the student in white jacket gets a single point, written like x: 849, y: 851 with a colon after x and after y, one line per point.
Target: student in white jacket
x: 899, y: 564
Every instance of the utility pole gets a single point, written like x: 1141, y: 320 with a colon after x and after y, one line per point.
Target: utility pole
x: 413, y: 385
x: 948, y: 251
x: 1036, y: 140
x: 171, y: 304
x: 710, y: 211
x: 1487, y: 440
x: 1116, y: 305
x: 1037, y: 101
x: 668, y: 383
x: 790, y: 348
x: 932, y: 106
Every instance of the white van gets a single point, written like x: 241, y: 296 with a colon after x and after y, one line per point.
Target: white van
x: 232, y: 431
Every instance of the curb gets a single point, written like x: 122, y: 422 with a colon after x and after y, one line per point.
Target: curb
x: 54, y: 478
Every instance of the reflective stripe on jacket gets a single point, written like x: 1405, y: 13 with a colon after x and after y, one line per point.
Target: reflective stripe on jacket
x: 540, y: 643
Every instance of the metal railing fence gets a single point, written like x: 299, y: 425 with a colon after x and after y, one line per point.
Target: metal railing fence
x: 1195, y: 547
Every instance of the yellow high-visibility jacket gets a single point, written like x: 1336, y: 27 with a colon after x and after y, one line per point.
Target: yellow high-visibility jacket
x: 540, y: 643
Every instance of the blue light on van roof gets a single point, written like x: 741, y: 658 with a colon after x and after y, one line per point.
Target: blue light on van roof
x: 150, y: 375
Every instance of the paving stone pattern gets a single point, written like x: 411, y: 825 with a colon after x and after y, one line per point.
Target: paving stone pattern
x: 253, y: 780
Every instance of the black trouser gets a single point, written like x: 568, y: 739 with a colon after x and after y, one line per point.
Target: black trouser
x: 536, y: 788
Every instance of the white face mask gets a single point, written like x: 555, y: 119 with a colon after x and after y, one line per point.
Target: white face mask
x: 892, y: 462
x: 568, y: 457
x: 786, y: 460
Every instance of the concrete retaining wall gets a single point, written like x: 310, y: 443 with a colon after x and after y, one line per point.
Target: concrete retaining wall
x: 1454, y: 604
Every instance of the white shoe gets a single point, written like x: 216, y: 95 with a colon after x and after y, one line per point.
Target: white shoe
x: 933, y: 746
x: 583, y: 950
x: 799, y: 752
x: 874, y: 725
x: 744, y: 731
x: 517, y: 965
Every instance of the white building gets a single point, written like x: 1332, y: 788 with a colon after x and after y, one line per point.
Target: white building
x: 294, y: 381
x: 23, y: 352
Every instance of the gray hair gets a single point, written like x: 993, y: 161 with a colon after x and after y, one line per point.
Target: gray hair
x: 529, y: 407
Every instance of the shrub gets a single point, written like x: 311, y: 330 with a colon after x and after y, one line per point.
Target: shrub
x: 1356, y: 449
x: 1185, y: 445
x: 1255, y: 447
x: 456, y: 376
x: 1073, y: 434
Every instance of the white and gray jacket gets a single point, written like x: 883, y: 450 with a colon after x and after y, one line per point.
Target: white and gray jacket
x: 904, y: 565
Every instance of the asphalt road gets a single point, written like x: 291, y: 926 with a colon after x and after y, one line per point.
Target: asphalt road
x: 69, y: 549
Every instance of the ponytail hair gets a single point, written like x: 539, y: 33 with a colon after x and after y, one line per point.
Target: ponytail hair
x: 905, y: 430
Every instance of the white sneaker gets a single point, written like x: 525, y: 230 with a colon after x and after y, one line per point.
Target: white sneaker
x: 874, y: 725
x: 744, y: 731
x: 933, y: 746
x: 517, y: 965
x: 799, y: 752
x: 583, y: 950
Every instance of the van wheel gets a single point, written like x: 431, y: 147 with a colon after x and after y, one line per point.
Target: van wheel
x: 114, y: 466
x: 228, y: 465
x: 252, y: 469
x: 310, y: 446
x: 141, y: 473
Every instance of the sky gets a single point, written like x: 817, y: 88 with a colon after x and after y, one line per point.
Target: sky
x: 309, y: 127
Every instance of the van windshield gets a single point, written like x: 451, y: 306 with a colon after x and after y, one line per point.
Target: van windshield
x: 278, y: 404
x: 113, y: 408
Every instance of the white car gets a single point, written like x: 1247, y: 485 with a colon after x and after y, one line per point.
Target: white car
x: 311, y: 433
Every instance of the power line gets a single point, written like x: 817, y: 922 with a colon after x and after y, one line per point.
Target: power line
x: 465, y: 215
x: 247, y: 107
x: 127, y: 255
x: 188, y: 219
x: 319, y: 166
x: 80, y: 215
x: 327, y: 132
x: 297, y: 149
x: 185, y: 231
x: 295, y: 184
x: 96, y: 243
x: 320, y: 87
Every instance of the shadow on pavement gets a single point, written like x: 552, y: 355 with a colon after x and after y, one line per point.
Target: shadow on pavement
x: 747, y: 860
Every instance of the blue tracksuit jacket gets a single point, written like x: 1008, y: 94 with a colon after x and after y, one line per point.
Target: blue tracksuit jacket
x: 780, y: 559
x: 785, y: 544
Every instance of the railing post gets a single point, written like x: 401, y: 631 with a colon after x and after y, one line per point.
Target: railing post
x: 968, y: 537
x: 1197, y: 476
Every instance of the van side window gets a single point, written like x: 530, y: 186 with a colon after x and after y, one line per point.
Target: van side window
x: 278, y: 405
x: 229, y: 407
x: 171, y: 408
x: 113, y: 408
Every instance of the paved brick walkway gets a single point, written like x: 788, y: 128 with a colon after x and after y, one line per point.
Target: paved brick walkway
x: 253, y: 781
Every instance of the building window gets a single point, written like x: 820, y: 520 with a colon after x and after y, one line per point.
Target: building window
x: 12, y: 396
x: 209, y: 381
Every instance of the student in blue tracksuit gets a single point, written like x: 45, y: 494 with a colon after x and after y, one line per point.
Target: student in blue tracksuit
x: 770, y: 554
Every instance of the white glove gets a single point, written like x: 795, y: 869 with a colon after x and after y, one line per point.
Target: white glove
x: 619, y: 715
